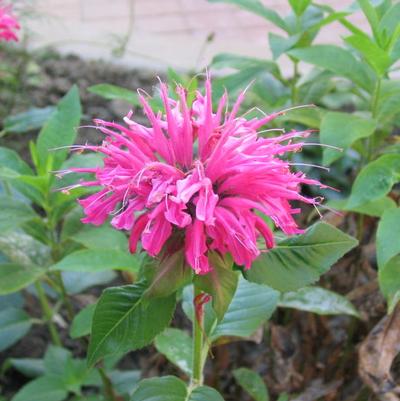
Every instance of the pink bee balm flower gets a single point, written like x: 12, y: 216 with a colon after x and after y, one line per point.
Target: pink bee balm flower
x: 8, y: 23
x: 196, y: 172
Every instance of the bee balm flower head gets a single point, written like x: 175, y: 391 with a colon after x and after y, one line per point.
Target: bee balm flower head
x: 8, y: 23
x: 195, y: 173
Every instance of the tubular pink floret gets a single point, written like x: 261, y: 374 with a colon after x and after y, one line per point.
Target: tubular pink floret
x: 8, y: 23
x: 196, y: 174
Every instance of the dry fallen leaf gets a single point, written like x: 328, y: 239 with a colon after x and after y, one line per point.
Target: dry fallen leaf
x: 376, y: 356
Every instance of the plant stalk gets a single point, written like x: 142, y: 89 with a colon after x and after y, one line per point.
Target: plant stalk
x: 47, y: 313
x: 198, y: 340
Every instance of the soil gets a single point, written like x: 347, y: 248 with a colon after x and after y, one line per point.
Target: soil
x: 308, y: 356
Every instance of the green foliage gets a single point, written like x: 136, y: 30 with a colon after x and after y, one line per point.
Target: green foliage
x: 112, y: 92
x: 170, y: 388
x: 300, y: 260
x: 375, y: 180
x: 27, y: 121
x: 334, y: 124
x: 14, y: 324
x: 123, y: 321
x: 176, y: 345
x: 66, y: 120
x: 220, y: 283
x: 319, y: 301
x: 252, y: 383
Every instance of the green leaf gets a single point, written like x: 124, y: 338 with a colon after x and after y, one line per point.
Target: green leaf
x: 372, y: 17
x: 59, y: 131
x: 256, y: 7
x: 22, y: 249
x: 342, y: 130
x: 253, y: 383
x: 375, y: 180
x: 388, y: 236
x: 340, y: 61
x: 123, y: 322
x: 228, y: 60
x: 82, y: 322
x: 11, y: 160
x: 165, y: 275
x: 170, y: 388
x: 112, y: 92
x: 220, y: 283
x: 95, y: 260
x: 14, y: 213
x: 280, y: 45
x: 300, y: 260
x: 14, y: 277
x: 29, y: 367
x: 76, y: 282
x: 27, y: 121
x: 124, y: 382
x: 46, y: 388
x: 102, y: 237
x: 389, y: 100
x: 176, y: 345
x: 14, y: 324
x: 374, y: 208
x: 205, y: 393
x: 377, y: 58
x: 319, y: 301
x: 389, y: 281
x: 299, y: 6
x: 310, y: 117
x: 251, y: 306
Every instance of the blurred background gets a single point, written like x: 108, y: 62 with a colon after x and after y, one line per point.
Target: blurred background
x: 182, y: 34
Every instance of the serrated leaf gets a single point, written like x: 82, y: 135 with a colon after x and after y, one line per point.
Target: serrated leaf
x: 59, y: 130
x: 220, y: 283
x: 95, y: 260
x: 112, y: 92
x: 375, y: 180
x: 252, y: 383
x: 123, y: 322
x: 176, y: 345
x: 335, y: 59
x: 388, y: 236
x: 82, y: 322
x: 300, y: 260
x: 318, y: 300
x: 14, y: 324
x: 14, y: 277
x: 334, y: 124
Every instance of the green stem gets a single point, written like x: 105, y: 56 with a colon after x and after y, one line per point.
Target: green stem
x: 294, y: 81
x: 47, y: 313
x: 374, y: 112
x: 64, y: 296
x: 108, y: 386
x: 198, y: 354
